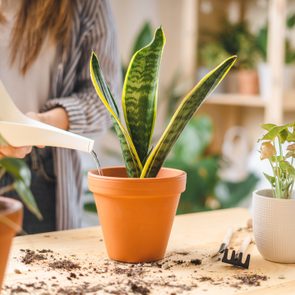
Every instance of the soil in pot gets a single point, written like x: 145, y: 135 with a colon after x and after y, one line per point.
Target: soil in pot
x: 10, y: 221
x: 136, y: 214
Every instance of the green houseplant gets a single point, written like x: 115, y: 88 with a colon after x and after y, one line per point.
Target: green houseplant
x: 273, y: 209
x: 11, y: 210
x: 237, y: 39
x: 137, y: 203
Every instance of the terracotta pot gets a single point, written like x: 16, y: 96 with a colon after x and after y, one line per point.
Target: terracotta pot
x: 136, y: 214
x: 10, y: 222
x: 248, y: 82
x: 274, y: 226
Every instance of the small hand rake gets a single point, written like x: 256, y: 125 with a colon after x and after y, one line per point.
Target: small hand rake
x: 236, y: 258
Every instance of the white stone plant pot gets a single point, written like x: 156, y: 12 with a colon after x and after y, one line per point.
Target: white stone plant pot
x: 274, y: 226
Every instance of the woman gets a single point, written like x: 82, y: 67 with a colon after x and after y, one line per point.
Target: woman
x: 45, y: 47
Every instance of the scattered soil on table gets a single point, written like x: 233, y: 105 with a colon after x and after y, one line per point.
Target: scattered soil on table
x: 64, y: 264
x: 18, y: 289
x: 251, y: 279
x: 31, y: 256
x: 206, y: 279
x: 43, y: 251
x: 138, y: 288
x: 179, y: 272
x: 171, y: 261
x: 196, y: 261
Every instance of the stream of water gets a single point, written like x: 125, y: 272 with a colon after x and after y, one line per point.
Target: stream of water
x: 97, y: 163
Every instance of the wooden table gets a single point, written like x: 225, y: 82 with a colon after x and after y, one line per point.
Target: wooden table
x: 194, y: 236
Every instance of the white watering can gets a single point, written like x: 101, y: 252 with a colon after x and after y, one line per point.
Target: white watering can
x: 19, y: 130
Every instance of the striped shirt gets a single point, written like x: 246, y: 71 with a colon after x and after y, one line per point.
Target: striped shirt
x: 71, y: 88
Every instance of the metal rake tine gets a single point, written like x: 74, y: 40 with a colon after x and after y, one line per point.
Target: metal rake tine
x: 236, y: 259
x: 246, y: 263
x: 230, y: 260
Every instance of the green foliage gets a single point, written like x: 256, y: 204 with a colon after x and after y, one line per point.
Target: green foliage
x: 212, y: 54
x: 139, y: 97
x: 204, y: 190
x: 132, y: 161
x: 139, y: 92
x: 90, y: 207
x: 230, y: 194
x: 261, y: 41
x: 233, y: 39
x: 281, y: 161
x: 188, y: 154
x: 22, y: 179
x: 237, y: 39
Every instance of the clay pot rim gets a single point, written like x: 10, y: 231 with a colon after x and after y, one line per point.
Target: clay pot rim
x: 94, y: 174
x: 10, y: 205
x: 259, y: 194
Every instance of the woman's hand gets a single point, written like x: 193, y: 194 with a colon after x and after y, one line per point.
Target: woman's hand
x: 14, y: 152
x: 56, y: 117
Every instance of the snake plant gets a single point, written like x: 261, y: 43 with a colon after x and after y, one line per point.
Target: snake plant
x: 139, y: 99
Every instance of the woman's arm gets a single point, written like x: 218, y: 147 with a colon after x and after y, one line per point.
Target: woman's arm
x: 83, y: 108
x: 57, y: 117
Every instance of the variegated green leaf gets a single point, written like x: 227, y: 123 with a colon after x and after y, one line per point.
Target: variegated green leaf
x: 21, y: 174
x: 17, y: 168
x: 27, y: 197
x: 132, y: 161
x: 183, y: 114
x: 139, y: 96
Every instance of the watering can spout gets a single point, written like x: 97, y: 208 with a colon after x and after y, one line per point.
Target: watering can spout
x: 20, y: 130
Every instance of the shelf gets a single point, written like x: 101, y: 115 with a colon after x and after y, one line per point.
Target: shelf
x: 236, y: 100
x: 253, y: 101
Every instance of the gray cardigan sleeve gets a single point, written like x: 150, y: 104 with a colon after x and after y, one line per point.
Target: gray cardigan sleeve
x: 96, y: 32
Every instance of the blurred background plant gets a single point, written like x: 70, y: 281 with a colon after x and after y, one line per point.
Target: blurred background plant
x: 262, y: 36
x: 233, y: 38
x: 237, y: 38
x: 205, y: 190
x: 20, y: 181
x: 211, y: 54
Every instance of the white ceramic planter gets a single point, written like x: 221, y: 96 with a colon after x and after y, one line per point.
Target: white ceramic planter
x: 274, y: 226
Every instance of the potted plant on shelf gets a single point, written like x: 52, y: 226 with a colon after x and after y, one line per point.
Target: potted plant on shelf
x: 237, y: 39
x: 10, y: 209
x: 137, y: 203
x: 273, y: 209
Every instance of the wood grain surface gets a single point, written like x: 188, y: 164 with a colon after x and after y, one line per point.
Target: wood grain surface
x: 75, y: 262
